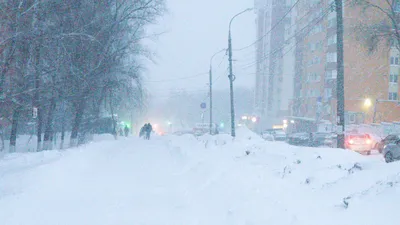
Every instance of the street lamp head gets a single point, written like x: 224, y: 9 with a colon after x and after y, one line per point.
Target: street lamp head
x: 230, y: 23
x: 367, y: 102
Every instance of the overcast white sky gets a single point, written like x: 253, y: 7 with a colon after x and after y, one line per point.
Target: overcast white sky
x: 196, y: 29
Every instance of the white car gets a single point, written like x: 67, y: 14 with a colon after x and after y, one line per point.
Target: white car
x: 267, y: 137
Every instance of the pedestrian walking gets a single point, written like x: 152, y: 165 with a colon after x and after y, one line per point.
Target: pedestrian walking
x: 148, y: 130
x: 142, y: 131
x: 126, y: 130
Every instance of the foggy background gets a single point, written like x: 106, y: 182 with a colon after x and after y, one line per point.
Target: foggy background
x: 194, y: 31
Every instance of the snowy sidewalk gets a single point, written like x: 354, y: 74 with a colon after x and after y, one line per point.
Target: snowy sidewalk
x: 184, y: 181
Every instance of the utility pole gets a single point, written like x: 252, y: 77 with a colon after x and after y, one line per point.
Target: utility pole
x: 211, y: 106
x: 231, y: 76
x: 340, y: 75
x: 231, y: 79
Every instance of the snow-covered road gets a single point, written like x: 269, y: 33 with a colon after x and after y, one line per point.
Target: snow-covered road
x: 184, y: 181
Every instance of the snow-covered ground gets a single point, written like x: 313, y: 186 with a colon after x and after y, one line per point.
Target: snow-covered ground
x: 187, y: 181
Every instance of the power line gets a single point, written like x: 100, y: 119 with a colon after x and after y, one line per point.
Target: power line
x: 225, y: 73
x: 301, y: 18
x: 316, y: 20
x: 273, y: 27
x: 222, y: 60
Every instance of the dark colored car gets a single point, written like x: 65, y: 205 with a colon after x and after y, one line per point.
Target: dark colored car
x: 278, y: 134
x: 299, y: 139
x: 390, y: 139
x: 315, y: 139
x: 320, y: 139
x: 391, y: 152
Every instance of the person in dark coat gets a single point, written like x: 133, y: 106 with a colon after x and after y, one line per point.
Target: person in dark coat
x: 126, y: 130
x: 142, y: 131
x: 148, y: 130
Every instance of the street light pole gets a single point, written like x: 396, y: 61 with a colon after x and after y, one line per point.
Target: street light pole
x: 231, y: 76
x: 211, y: 105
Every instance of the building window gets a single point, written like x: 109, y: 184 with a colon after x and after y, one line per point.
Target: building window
x: 332, y: 23
x: 313, y: 77
x: 327, y: 93
x: 315, y: 60
x: 394, y: 60
x: 316, y: 29
x: 331, y: 74
x: 312, y: 47
x: 393, y: 78
x: 332, y: 40
x: 331, y: 57
x: 393, y: 95
x: 319, y: 46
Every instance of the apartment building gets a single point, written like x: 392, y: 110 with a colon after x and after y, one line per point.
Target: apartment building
x: 275, y: 60
x: 370, y: 76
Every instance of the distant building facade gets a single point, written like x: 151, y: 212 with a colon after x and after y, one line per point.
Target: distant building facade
x: 275, y: 55
x: 368, y: 75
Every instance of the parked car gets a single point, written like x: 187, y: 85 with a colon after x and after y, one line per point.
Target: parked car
x: 331, y: 140
x: 277, y: 134
x: 267, y: 136
x: 391, y: 151
x: 361, y: 143
x: 392, y: 138
x: 321, y: 139
x: 299, y: 139
x: 313, y: 139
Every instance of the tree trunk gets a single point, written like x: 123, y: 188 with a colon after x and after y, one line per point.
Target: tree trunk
x: 39, y: 129
x: 62, y: 133
x: 2, y: 138
x: 13, y: 136
x: 38, y: 73
x: 47, y: 144
x: 80, y: 108
x: 113, y: 118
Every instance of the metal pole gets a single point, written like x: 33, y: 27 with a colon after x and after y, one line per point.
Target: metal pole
x: 340, y: 75
x: 211, y: 106
x: 231, y: 76
x: 231, y: 79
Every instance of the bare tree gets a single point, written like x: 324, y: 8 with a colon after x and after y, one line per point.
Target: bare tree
x: 384, y: 27
x: 64, y: 58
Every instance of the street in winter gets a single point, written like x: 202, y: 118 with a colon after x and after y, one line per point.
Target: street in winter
x: 188, y: 112
x: 205, y: 180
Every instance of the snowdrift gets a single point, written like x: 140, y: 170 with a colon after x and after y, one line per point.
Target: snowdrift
x: 198, y: 180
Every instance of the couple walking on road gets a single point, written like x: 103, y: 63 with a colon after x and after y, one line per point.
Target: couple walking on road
x: 146, y: 131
